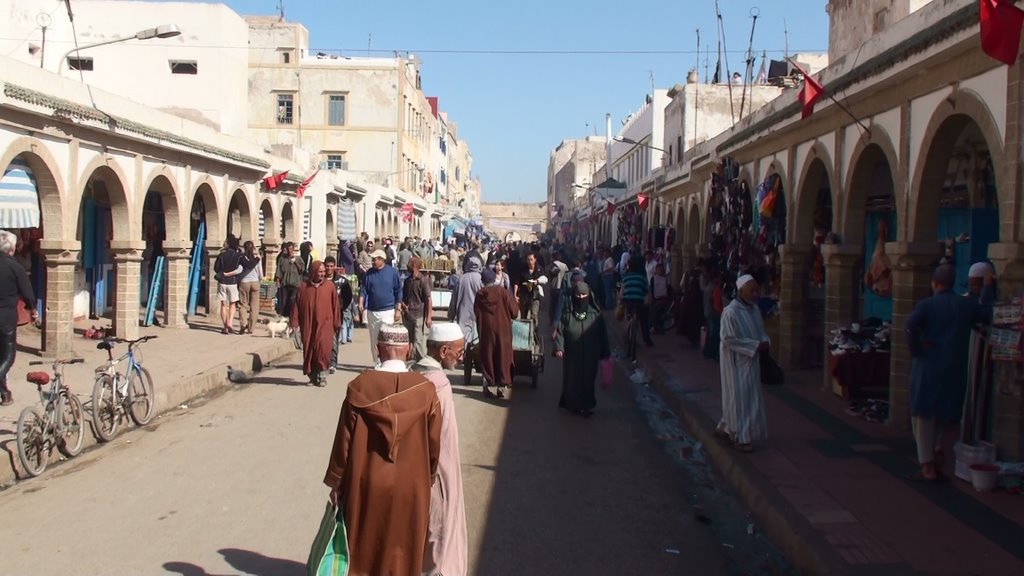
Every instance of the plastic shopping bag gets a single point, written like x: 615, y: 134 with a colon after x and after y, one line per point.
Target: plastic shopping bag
x: 329, y: 554
x: 606, y: 372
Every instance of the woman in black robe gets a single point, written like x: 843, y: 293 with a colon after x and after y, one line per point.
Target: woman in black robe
x: 693, y: 307
x: 581, y: 341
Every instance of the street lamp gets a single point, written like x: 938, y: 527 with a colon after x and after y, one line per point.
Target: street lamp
x: 635, y: 143
x: 164, y: 31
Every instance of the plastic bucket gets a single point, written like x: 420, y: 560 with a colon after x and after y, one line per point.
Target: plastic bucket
x: 984, y: 477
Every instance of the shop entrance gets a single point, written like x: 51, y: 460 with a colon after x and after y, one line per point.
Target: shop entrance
x: 159, y: 213
x: 239, y: 216
x: 103, y: 217
x: 202, y: 222
x: 21, y: 214
x: 287, y: 223
x: 816, y: 226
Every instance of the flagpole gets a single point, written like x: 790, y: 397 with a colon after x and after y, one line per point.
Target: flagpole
x: 696, y: 99
x: 831, y: 97
x: 722, y: 46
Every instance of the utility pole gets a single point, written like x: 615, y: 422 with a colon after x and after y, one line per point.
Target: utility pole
x: 608, y: 146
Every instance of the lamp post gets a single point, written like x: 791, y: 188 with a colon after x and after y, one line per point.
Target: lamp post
x: 635, y: 143
x: 164, y: 31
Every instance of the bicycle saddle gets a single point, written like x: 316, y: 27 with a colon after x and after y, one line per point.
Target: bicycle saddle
x: 105, y: 345
x: 38, y: 378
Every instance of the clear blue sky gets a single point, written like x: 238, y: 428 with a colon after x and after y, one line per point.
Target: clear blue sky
x: 514, y: 108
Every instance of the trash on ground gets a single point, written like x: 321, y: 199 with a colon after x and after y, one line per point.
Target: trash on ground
x: 183, y: 406
x: 639, y: 377
x: 672, y: 551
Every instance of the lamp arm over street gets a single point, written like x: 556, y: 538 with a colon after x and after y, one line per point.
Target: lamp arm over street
x: 163, y: 31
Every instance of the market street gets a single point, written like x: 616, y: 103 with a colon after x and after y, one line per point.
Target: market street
x: 233, y: 486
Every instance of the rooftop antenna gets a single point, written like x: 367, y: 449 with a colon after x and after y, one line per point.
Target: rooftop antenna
x: 369, y: 43
x: 749, y: 73
x: 725, y: 49
x: 280, y: 10
x: 785, y: 33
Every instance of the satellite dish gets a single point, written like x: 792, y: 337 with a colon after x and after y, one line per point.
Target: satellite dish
x: 43, y: 20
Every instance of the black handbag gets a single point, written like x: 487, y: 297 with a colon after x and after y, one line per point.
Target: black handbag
x: 771, y: 372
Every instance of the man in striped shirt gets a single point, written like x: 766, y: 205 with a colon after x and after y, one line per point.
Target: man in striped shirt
x: 634, y: 296
x: 743, y: 341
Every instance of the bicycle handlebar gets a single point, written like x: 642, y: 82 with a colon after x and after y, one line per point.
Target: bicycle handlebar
x: 132, y: 342
x: 56, y: 362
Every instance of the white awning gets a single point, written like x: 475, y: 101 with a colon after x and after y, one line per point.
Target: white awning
x: 19, y: 199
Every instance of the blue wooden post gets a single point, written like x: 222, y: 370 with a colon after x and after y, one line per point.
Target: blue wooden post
x: 155, y: 283
x: 195, y: 269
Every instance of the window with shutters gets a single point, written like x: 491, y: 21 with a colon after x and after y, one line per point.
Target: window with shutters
x: 335, y: 109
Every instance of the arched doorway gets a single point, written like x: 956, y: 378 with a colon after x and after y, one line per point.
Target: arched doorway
x: 871, y: 222
x: 287, y: 229
x: 103, y: 218
x: 160, y: 223
x: 807, y: 299
x: 240, y: 216
x: 957, y: 199
x: 203, y: 221
x: 32, y: 210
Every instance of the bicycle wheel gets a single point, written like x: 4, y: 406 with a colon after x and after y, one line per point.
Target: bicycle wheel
x: 141, y: 399
x: 106, y: 410
x: 33, y: 449
x: 72, y: 426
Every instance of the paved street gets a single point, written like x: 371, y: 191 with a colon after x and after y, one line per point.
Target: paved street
x: 233, y: 486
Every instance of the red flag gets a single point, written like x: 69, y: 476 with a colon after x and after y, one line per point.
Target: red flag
x: 407, y: 212
x: 610, y: 208
x: 642, y: 200
x: 810, y: 93
x: 305, y: 184
x: 275, y: 180
x: 1001, y: 24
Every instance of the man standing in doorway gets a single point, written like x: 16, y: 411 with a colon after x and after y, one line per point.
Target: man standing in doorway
x: 228, y: 268
x: 743, y: 340
x: 939, y: 332
x: 14, y: 286
x: 379, y: 296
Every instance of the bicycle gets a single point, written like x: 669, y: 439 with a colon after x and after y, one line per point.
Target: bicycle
x: 115, y: 395
x: 61, y: 424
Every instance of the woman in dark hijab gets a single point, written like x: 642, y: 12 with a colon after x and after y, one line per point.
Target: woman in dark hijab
x: 581, y: 341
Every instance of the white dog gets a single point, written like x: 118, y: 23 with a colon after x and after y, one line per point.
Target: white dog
x: 278, y: 327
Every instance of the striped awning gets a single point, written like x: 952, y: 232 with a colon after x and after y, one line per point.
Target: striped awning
x: 19, y: 200
x: 347, y: 220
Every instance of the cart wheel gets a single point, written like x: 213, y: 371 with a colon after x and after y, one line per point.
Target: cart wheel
x: 467, y: 370
x: 534, y: 375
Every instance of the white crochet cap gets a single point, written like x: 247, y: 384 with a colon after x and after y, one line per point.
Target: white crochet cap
x: 979, y: 270
x: 445, y: 332
x: 743, y: 281
x: 393, y: 335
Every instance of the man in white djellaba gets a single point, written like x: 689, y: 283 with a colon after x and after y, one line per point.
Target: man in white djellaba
x: 743, y: 340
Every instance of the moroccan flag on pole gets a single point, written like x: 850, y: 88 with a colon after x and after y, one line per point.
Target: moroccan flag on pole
x: 1001, y: 24
x: 272, y: 182
x: 810, y: 93
x: 642, y: 201
x: 305, y: 184
x: 610, y: 208
x: 407, y: 212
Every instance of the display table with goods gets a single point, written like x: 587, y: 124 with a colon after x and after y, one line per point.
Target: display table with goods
x: 268, y: 294
x: 858, y: 362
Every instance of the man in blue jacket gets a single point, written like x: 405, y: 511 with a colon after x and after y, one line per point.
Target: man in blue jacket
x: 379, y: 294
x: 938, y: 334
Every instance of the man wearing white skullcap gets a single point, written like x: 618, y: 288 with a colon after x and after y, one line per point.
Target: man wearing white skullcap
x: 976, y: 279
x: 743, y: 341
x: 447, y: 547
x: 385, y: 457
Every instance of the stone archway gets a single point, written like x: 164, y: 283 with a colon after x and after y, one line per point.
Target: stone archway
x: 288, y: 223
x: 111, y: 255
x: 240, y: 220
x: 204, y: 214
x: 52, y: 267
x: 162, y: 236
x: 269, y: 224
x: 803, y: 266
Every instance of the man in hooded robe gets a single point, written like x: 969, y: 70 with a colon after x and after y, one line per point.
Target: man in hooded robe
x: 494, y: 309
x: 384, y: 461
x: 743, y: 339
x: 447, y: 550
x: 581, y: 341
x: 317, y: 316
x: 460, y: 308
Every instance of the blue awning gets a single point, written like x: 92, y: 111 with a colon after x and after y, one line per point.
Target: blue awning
x: 19, y: 199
